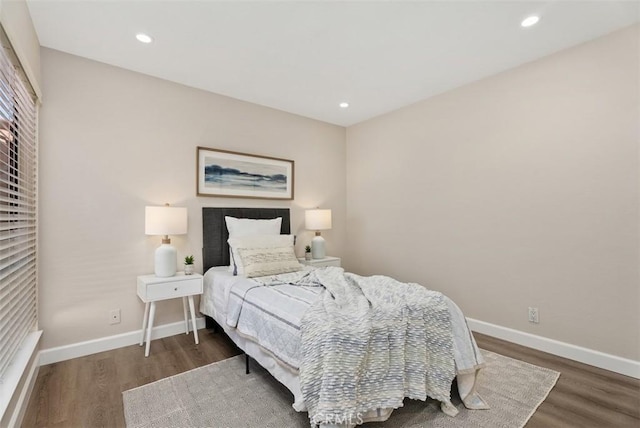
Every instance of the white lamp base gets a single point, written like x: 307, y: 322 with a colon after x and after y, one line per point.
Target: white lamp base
x: 317, y: 247
x: 166, y: 261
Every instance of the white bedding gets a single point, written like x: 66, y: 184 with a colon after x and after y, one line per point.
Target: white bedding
x: 217, y: 286
x: 267, y: 329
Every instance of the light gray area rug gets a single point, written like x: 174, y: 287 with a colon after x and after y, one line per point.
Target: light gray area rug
x: 222, y: 395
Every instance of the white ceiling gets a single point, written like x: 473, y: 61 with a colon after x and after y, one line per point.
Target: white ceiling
x: 306, y: 57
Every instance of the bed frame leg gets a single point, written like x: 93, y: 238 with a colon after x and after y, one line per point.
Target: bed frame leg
x: 246, y: 363
x: 211, y: 324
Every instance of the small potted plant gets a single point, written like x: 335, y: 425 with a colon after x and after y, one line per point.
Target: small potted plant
x: 188, y: 265
x: 307, y: 252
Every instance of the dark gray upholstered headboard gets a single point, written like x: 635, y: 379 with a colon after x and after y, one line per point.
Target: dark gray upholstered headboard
x: 215, y: 249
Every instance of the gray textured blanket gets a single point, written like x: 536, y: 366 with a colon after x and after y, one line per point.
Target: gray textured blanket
x: 369, y: 342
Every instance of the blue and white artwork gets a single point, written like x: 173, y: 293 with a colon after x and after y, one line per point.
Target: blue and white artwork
x: 240, y: 175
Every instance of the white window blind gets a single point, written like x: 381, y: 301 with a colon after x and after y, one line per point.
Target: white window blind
x: 18, y: 185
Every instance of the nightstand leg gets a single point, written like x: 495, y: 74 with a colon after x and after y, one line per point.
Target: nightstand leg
x: 144, y: 321
x: 186, y: 318
x: 152, y: 314
x: 193, y: 319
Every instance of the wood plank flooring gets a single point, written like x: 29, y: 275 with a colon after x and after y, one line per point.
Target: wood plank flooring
x: 87, y: 391
x: 585, y: 396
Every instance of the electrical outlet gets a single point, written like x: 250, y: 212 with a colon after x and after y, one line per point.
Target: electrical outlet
x: 534, y: 316
x: 114, y: 316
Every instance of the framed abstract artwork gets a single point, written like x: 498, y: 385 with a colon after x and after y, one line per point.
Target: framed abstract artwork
x: 240, y: 175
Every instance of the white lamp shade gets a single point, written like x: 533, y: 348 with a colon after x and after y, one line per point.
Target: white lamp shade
x: 317, y: 219
x: 165, y: 220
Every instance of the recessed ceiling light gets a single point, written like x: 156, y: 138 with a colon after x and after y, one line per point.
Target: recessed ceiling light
x: 344, y: 104
x: 144, y: 38
x: 530, y: 20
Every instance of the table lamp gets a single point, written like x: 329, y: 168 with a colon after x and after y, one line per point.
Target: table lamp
x: 165, y: 221
x: 317, y: 220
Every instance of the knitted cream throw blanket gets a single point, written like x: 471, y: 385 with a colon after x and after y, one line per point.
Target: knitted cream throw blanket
x: 369, y: 342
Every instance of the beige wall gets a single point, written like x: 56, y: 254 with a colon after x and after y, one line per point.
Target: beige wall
x: 518, y: 190
x: 113, y: 141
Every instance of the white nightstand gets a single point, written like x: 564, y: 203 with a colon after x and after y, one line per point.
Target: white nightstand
x: 327, y: 261
x: 152, y: 289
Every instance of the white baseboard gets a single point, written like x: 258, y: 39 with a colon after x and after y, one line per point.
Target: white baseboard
x: 592, y: 357
x: 599, y: 359
x: 75, y: 350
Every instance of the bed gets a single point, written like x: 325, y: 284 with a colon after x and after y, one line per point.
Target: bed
x: 263, y: 316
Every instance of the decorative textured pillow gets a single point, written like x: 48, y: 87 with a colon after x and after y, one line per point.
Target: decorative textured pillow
x: 268, y: 261
x: 255, y: 241
x: 246, y: 226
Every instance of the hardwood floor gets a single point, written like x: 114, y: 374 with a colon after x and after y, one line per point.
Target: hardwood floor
x: 87, y: 391
x: 585, y: 396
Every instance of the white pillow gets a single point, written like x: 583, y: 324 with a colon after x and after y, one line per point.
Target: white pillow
x: 268, y: 261
x: 255, y: 241
x: 246, y: 226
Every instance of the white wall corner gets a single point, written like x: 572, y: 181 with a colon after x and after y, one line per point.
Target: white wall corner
x: 592, y: 357
x: 89, y: 347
